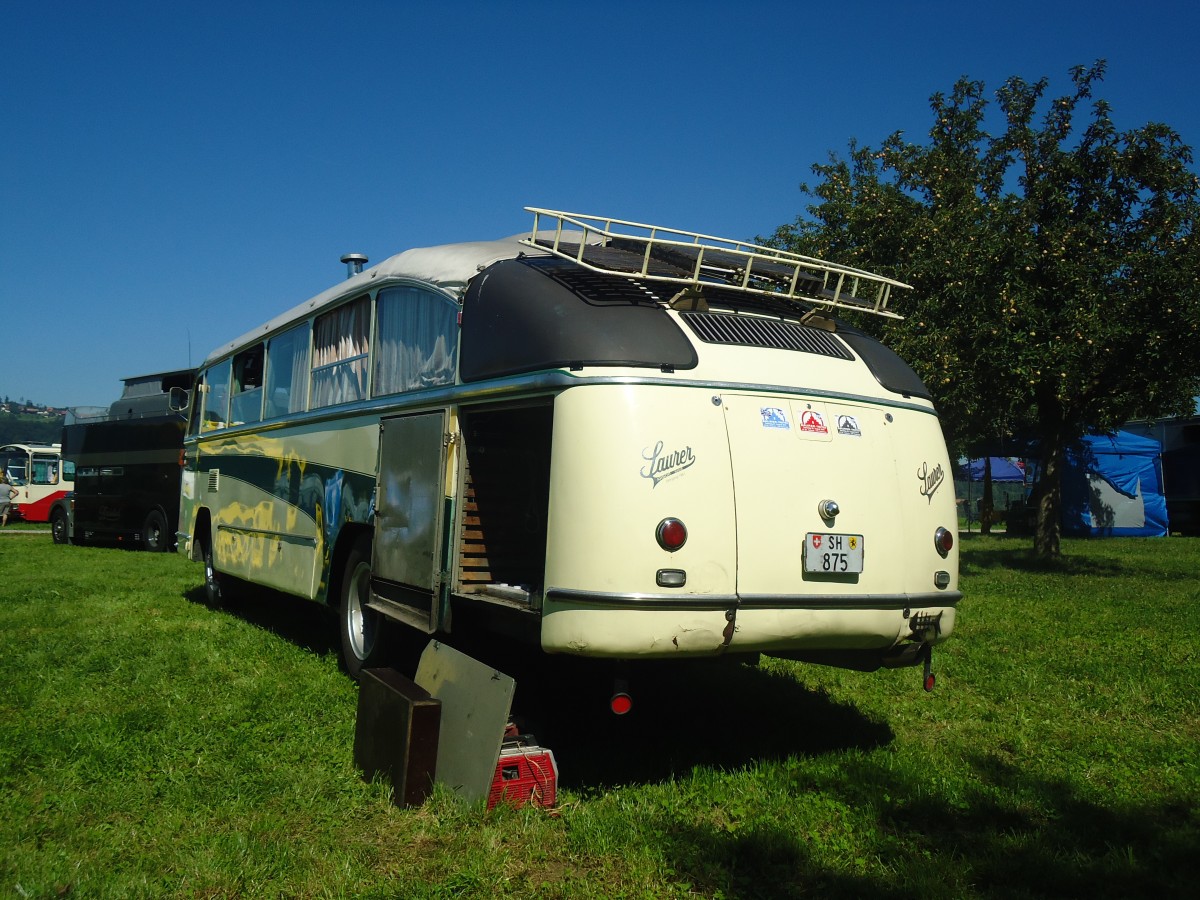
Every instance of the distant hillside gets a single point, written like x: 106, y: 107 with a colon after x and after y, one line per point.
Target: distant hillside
x: 25, y: 428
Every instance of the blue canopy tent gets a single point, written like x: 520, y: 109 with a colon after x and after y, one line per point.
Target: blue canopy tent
x: 1004, y: 473
x: 1112, y: 486
x: 1003, y: 470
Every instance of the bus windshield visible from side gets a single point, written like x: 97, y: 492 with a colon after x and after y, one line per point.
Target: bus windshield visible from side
x: 16, y: 464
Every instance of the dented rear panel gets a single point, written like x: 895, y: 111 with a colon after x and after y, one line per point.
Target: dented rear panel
x: 762, y: 479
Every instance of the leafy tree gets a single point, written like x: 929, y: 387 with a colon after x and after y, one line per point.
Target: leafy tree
x: 1054, y: 264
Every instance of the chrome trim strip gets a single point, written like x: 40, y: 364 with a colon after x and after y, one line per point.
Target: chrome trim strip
x: 714, y: 602
x: 273, y: 535
x: 534, y: 384
x: 849, y: 601
x: 754, y: 601
x: 757, y: 388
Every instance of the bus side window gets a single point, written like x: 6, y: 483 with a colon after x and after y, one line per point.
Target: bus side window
x: 246, y: 399
x: 340, y: 337
x: 287, y: 372
x: 45, y: 470
x: 216, y: 399
x: 194, y: 416
x: 416, y: 340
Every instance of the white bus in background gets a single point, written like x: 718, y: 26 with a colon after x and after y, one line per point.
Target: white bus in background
x: 603, y: 438
x: 40, y: 475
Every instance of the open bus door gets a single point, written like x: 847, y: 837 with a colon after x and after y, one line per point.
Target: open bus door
x: 410, y: 517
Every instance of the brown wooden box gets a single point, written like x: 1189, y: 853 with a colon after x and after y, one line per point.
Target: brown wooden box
x: 396, y: 734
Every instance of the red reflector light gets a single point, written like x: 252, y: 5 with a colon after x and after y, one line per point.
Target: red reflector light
x: 620, y: 703
x: 671, y: 534
x: 943, y: 540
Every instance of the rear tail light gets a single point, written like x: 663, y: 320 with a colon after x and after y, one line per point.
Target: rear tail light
x: 943, y: 540
x: 671, y: 534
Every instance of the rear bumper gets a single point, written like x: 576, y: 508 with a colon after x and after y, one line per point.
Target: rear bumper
x: 589, y: 623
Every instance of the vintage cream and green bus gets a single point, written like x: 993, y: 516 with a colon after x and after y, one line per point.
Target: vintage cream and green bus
x: 605, y: 438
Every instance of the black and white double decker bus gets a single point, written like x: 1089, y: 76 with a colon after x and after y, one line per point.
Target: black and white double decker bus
x: 127, y: 459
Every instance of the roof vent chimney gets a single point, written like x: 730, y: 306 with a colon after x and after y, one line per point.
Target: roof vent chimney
x: 354, y: 263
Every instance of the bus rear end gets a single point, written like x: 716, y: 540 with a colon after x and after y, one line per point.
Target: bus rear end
x: 732, y: 469
x: 704, y: 521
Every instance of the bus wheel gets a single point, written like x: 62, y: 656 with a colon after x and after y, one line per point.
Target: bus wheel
x: 364, y: 631
x: 60, y: 528
x: 154, y: 532
x: 212, y: 579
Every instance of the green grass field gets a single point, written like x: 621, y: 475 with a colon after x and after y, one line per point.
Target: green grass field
x: 152, y: 746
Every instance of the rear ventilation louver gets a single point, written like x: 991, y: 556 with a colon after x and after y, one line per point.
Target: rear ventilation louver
x: 214, y: 480
x: 601, y: 287
x: 752, y: 331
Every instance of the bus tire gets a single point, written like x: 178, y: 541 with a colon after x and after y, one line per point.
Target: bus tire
x: 60, y: 526
x: 212, y: 578
x: 154, y: 532
x: 364, y: 631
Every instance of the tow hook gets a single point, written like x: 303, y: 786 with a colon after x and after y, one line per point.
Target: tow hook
x: 930, y: 678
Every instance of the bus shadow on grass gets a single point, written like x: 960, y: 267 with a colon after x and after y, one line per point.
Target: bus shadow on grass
x: 710, y: 714
x: 722, y: 714
x: 306, y: 624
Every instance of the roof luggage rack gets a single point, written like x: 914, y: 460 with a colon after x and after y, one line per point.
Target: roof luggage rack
x: 651, y: 252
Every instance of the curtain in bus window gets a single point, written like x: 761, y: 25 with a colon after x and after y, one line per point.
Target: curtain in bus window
x: 287, y: 372
x: 45, y: 469
x: 416, y: 341
x: 340, y: 354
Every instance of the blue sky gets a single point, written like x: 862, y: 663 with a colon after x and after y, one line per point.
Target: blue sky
x: 173, y: 174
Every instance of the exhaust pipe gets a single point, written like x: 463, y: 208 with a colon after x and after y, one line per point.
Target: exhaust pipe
x: 354, y: 263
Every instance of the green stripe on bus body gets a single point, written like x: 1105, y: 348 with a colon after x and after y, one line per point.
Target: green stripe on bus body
x: 304, y: 485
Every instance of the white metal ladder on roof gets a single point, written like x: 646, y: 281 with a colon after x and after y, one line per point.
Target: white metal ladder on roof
x: 690, y: 258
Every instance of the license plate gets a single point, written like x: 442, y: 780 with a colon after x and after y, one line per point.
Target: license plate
x: 833, y: 554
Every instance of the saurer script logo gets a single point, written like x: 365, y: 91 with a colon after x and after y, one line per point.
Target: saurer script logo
x: 662, y: 465
x: 930, y: 480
